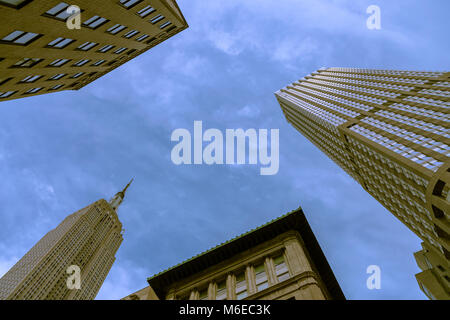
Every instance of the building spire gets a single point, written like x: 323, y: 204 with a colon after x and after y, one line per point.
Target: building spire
x: 118, y: 198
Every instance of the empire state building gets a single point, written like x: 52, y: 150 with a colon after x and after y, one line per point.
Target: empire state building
x: 87, y: 239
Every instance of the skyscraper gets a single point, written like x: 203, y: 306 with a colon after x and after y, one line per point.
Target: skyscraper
x: 390, y: 131
x: 280, y: 260
x: 39, y: 53
x: 88, y: 239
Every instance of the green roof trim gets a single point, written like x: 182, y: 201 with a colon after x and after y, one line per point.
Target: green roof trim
x: 225, y: 243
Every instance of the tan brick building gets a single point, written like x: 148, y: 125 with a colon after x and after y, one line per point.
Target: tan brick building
x: 280, y: 260
x: 40, y: 54
x: 390, y: 131
x: 88, y: 238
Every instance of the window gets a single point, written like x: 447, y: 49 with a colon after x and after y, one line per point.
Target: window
x: 281, y: 269
x: 27, y: 62
x: 59, y: 11
x: 60, y: 43
x: 99, y: 62
x: 4, y: 80
x: 81, y: 62
x: 87, y: 46
x: 157, y: 18
x: 165, y: 24
x: 6, y: 94
x: 143, y: 37
x: 58, y: 86
x: 59, y: 62
x: 30, y: 79
x: 57, y: 76
x: 118, y: 51
x: 106, y: 48
x: 221, y: 290
x: 203, y: 294
x: 262, y: 281
x: 241, y: 286
x: 21, y: 37
x: 15, y: 3
x: 146, y: 11
x: 116, y: 29
x: 34, y: 90
x: 129, y: 3
x: 131, y: 34
x: 95, y: 22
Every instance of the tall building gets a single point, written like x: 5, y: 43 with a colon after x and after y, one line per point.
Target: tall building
x: 390, y: 131
x: 39, y: 53
x: 280, y: 260
x: 88, y: 238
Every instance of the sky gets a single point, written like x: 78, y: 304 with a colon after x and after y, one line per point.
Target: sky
x: 60, y: 152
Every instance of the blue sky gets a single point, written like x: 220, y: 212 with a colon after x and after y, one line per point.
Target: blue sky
x: 63, y: 151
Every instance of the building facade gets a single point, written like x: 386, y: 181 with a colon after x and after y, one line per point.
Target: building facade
x: 434, y: 280
x: 390, y: 131
x: 278, y: 261
x: 88, y: 239
x: 39, y: 53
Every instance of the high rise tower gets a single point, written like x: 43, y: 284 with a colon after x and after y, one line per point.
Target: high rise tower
x: 390, y: 131
x: 42, y: 50
x: 88, y: 238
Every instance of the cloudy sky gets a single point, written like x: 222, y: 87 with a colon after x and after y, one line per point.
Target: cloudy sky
x: 63, y: 151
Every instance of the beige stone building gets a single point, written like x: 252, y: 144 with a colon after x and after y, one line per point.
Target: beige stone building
x: 40, y: 54
x: 280, y: 260
x: 434, y: 280
x: 88, y: 238
x: 390, y: 131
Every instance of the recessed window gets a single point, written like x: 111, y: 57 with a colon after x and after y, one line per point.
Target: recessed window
x: 95, y: 22
x: 143, y: 37
x: 21, y: 37
x: 129, y: 3
x: 15, y: 3
x: 221, y: 293
x: 241, y: 286
x: 59, y: 11
x: 157, y: 18
x: 34, y: 90
x: 60, y: 43
x: 57, y: 76
x: 203, y: 294
x: 116, y: 29
x: 165, y: 24
x: 281, y: 269
x: 81, y: 62
x: 27, y: 62
x: 99, y: 62
x: 146, y: 11
x: 118, y: 51
x: 131, y: 34
x: 77, y: 75
x: 106, y: 48
x: 6, y: 94
x: 262, y: 281
x: 151, y: 40
x: 58, y: 86
x: 4, y: 80
x: 59, y: 62
x: 30, y: 79
x: 87, y: 46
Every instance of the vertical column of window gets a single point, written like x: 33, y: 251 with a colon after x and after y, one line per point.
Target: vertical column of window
x: 241, y: 286
x: 281, y: 268
x: 221, y: 293
x: 261, y: 279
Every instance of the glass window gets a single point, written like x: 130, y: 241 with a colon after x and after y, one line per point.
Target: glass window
x: 129, y: 3
x: 281, y: 269
x: 241, y: 286
x: 21, y: 37
x: 221, y: 290
x: 203, y: 294
x: 261, y: 277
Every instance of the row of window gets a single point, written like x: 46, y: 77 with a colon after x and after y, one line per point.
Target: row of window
x: 259, y: 275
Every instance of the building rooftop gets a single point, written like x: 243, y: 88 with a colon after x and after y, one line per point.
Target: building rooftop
x: 294, y: 220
